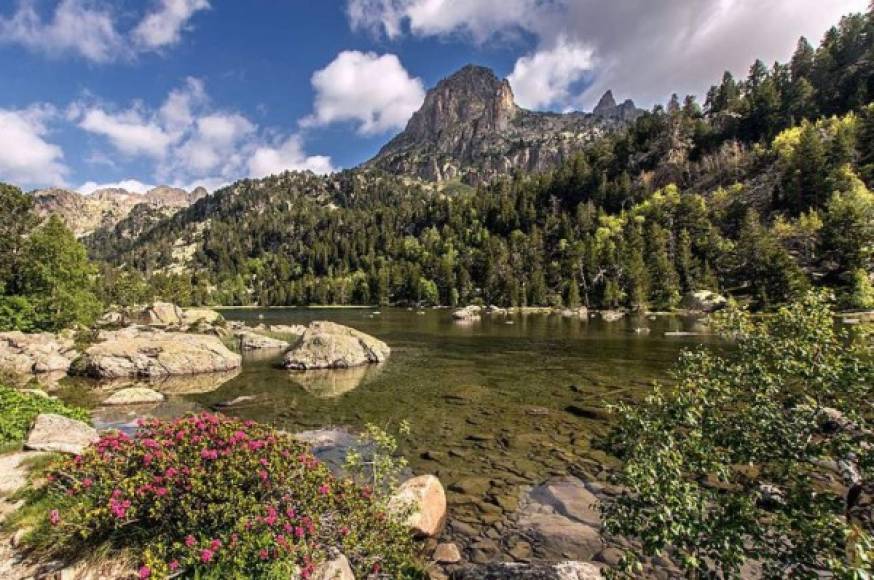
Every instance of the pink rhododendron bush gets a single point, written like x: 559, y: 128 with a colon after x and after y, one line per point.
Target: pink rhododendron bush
x: 210, y: 496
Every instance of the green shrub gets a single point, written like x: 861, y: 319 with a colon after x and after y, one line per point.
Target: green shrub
x: 18, y: 410
x: 733, y: 463
x: 212, y: 497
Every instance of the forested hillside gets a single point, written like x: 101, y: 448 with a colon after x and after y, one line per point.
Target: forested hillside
x: 760, y: 192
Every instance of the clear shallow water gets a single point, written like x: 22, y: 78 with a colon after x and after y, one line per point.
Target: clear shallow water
x: 490, y: 404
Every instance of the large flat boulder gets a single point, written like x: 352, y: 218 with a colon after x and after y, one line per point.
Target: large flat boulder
x: 144, y: 352
x: 134, y: 396
x: 22, y: 353
x: 52, y: 432
x: 327, y: 345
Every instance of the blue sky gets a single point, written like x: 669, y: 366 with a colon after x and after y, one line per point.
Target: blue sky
x: 189, y: 92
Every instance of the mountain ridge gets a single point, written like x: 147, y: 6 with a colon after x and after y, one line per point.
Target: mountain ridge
x: 470, y: 128
x: 104, y: 208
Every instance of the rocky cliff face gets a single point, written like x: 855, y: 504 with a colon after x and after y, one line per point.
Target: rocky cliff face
x: 470, y: 129
x: 103, y: 209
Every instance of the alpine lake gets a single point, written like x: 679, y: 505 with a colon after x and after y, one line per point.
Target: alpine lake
x: 495, y: 406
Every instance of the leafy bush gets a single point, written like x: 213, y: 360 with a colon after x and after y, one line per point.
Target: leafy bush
x: 759, y: 454
x: 212, y: 497
x: 18, y: 410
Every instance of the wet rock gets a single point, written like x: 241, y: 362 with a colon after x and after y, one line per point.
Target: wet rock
x: 326, y: 345
x: 52, y: 432
x: 582, y: 312
x: 446, y: 553
x: 703, y: 301
x: 142, y: 352
x: 425, y: 496
x: 22, y: 354
x: 463, y: 529
x: 134, y: 396
x: 287, y: 329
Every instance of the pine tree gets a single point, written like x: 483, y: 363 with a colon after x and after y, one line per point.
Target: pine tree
x: 665, y: 282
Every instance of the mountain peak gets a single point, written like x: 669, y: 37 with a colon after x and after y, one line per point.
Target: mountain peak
x: 606, y: 103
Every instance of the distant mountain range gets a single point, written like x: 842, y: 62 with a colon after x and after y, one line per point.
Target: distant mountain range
x: 104, y: 208
x: 471, y: 129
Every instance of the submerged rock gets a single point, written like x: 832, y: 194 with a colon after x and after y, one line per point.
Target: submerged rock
x: 425, y: 496
x: 139, y: 352
x: 134, y: 396
x: 22, y: 354
x: 52, y: 432
x: 562, y: 516
x: 327, y: 345
x: 330, y: 383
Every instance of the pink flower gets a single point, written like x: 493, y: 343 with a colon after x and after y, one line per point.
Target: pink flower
x: 119, y: 507
x: 209, y: 454
x: 87, y: 482
x: 324, y: 489
x: 215, y: 545
x: 263, y: 475
x: 206, y: 555
x: 299, y: 532
x: 264, y: 554
x: 161, y: 491
x: 145, y: 572
x: 173, y: 565
x: 270, y: 520
x: 344, y: 531
x: 290, y: 513
x: 171, y: 472
x: 190, y: 541
x: 54, y: 517
x: 263, y: 462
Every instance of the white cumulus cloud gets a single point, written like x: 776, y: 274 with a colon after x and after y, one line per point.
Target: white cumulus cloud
x: 89, y: 28
x: 192, y: 143
x: 164, y: 26
x: 77, y: 26
x: 548, y: 75
x: 286, y: 156
x: 373, y: 91
x: 645, y: 50
x: 27, y: 158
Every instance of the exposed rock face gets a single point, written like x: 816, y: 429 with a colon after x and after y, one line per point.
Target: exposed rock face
x: 145, y: 352
x: 104, y: 208
x: 426, y: 497
x: 57, y: 433
x: 326, y: 345
x: 195, y: 315
x: 23, y: 354
x: 470, y: 128
x: 163, y: 314
x: 568, y: 570
x: 703, y: 301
